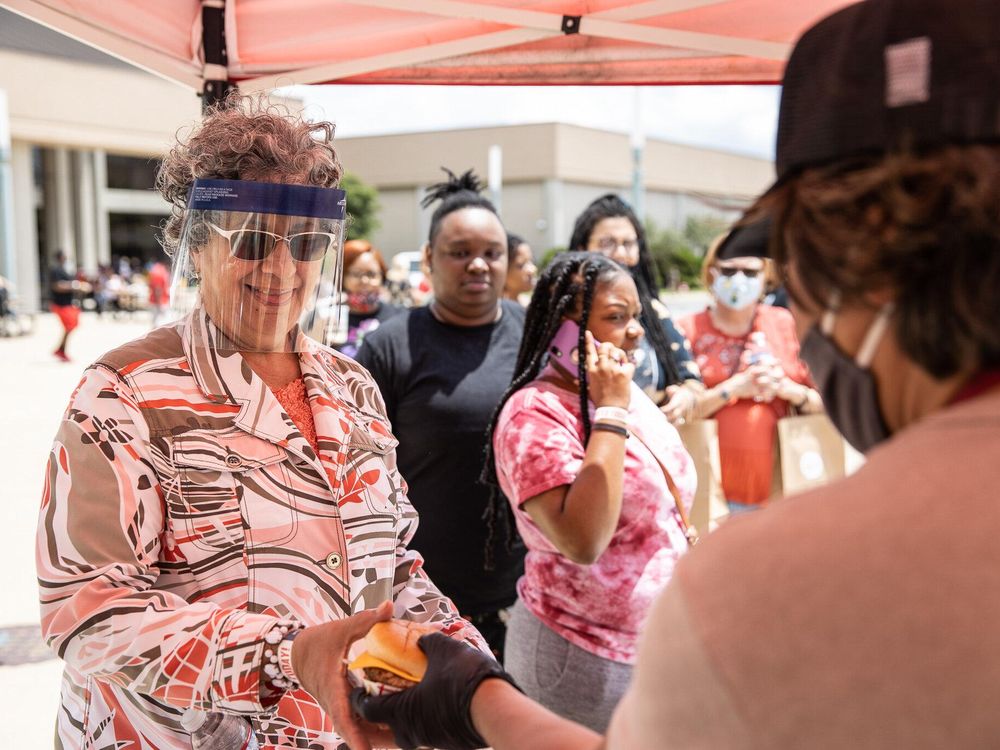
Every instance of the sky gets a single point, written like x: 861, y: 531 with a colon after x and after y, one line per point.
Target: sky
x: 731, y: 118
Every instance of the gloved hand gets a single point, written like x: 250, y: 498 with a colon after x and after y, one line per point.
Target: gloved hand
x: 435, y: 713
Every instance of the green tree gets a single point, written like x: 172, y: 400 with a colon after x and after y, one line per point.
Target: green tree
x: 699, y: 231
x: 362, y: 206
x: 678, y: 255
x: 672, y: 255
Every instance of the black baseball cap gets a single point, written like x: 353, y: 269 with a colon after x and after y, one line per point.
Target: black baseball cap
x: 746, y: 240
x: 885, y: 75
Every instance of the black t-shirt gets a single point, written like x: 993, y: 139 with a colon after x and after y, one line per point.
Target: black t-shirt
x: 441, y: 384
x: 57, y: 274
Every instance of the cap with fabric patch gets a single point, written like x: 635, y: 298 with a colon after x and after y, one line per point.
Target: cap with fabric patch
x: 889, y: 74
x: 746, y: 240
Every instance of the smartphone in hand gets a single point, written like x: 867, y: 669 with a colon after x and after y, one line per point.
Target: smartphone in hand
x: 564, y: 351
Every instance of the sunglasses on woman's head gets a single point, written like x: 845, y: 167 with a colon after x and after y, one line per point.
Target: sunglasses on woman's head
x: 750, y: 273
x: 256, y: 244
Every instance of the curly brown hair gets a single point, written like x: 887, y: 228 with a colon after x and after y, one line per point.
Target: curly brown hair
x: 245, y: 138
x: 925, y: 226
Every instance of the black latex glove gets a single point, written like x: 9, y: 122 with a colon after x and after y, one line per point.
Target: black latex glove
x: 435, y: 713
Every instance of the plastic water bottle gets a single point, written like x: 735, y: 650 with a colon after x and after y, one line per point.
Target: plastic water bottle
x: 218, y: 731
x: 758, y: 352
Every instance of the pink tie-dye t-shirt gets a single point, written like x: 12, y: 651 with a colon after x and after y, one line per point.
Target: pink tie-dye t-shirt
x: 539, y: 446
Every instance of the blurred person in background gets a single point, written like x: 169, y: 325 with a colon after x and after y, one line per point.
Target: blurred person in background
x: 222, y: 512
x: 441, y: 370
x: 364, y: 284
x: 158, y: 280
x: 62, y: 290
x: 590, y: 467
x: 862, y: 613
x: 522, y: 273
x: 748, y: 354
x: 664, y: 369
x: 5, y: 297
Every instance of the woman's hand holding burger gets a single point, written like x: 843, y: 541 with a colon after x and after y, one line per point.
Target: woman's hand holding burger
x: 319, y: 657
x: 435, y: 712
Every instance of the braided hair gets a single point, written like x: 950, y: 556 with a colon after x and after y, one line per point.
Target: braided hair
x: 610, y: 206
x: 565, y: 286
x: 455, y: 193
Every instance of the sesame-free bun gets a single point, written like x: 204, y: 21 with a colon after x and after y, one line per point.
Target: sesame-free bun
x: 395, y: 643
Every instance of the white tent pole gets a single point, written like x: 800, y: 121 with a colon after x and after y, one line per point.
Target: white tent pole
x: 360, y: 66
x: 652, y: 8
x: 150, y: 60
x: 710, y: 43
x: 592, y: 26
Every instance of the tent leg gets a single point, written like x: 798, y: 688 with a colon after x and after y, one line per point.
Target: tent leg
x: 217, y: 85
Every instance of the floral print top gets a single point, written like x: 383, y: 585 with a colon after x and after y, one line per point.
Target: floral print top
x: 184, y: 515
x: 539, y: 446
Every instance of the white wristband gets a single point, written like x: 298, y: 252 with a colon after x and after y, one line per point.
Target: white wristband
x: 611, y: 414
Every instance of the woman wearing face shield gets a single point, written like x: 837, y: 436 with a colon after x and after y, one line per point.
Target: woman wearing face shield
x: 748, y: 355
x: 222, y: 514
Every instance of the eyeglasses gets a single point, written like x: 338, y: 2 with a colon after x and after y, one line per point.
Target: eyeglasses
x: 610, y: 244
x: 750, y: 273
x: 256, y: 244
x: 372, y: 276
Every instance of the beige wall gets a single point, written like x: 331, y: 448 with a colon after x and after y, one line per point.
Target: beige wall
x: 524, y: 213
x: 672, y: 210
x: 416, y: 158
x: 399, y: 213
x: 57, y: 102
x: 594, y: 157
x: 676, y: 168
x: 553, y: 151
x: 550, y: 172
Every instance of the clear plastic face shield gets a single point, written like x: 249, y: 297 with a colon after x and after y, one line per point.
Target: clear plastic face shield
x: 264, y: 262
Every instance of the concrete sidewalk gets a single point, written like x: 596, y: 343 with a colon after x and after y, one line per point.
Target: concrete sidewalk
x: 34, y: 390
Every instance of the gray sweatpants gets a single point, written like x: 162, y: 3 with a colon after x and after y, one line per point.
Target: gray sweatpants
x: 561, y: 676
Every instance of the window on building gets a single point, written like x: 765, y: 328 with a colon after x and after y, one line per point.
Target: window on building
x: 134, y: 236
x: 131, y: 172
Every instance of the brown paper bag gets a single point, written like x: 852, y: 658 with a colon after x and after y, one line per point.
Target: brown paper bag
x: 701, y: 438
x: 810, y: 453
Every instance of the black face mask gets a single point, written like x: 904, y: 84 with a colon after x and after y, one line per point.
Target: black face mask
x: 847, y: 385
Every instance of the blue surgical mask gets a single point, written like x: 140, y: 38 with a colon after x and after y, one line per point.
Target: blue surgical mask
x: 847, y: 385
x: 738, y: 291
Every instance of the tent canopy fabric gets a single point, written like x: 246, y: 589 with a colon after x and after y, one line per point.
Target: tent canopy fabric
x: 272, y: 43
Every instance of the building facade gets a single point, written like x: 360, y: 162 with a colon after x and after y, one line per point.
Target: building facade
x: 550, y: 172
x: 86, y: 131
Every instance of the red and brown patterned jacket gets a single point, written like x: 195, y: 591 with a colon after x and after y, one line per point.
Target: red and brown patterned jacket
x: 184, y: 515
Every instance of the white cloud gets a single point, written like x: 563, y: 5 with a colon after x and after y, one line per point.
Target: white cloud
x: 737, y: 118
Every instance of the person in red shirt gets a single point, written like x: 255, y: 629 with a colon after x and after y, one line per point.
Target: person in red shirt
x: 159, y: 291
x: 748, y: 355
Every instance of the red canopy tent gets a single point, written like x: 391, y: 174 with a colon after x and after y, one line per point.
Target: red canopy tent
x: 263, y: 44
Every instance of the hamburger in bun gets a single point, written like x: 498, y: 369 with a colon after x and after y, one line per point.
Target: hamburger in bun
x: 392, y: 660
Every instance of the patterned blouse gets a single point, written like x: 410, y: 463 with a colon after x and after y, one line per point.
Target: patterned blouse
x: 539, y: 446
x: 184, y: 515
